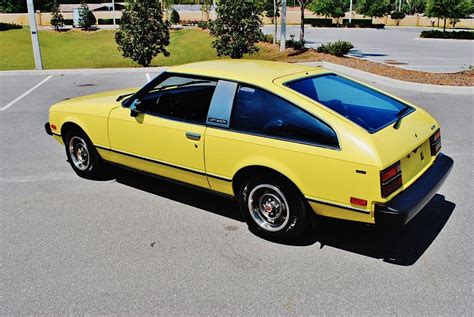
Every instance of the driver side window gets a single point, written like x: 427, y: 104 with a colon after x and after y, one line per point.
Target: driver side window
x: 257, y: 111
x: 181, y: 98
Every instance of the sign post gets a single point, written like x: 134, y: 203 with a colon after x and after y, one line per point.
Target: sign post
x: 34, y: 35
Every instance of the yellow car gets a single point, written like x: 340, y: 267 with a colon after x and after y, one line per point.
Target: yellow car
x: 286, y: 140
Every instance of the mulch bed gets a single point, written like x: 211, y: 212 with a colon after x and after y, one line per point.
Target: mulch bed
x: 464, y: 78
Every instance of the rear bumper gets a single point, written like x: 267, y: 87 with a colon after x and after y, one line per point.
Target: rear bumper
x: 404, y: 206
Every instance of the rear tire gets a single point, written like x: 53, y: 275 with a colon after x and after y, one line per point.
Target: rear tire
x: 83, y: 156
x: 274, y: 208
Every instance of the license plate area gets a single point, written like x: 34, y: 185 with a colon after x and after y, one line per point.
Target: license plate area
x: 415, y: 161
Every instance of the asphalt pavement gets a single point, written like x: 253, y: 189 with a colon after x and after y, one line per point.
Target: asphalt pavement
x: 137, y: 245
x: 396, y: 46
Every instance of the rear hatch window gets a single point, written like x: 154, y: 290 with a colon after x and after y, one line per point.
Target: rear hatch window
x: 362, y: 105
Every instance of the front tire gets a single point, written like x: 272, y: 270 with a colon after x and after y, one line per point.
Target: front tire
x: 274, y: 208
x: 83, y: 156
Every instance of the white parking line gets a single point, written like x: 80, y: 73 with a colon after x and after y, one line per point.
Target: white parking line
x: 26, y: 93
x: 148, y: 79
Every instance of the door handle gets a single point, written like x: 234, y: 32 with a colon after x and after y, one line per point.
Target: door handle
x: 193, y: 136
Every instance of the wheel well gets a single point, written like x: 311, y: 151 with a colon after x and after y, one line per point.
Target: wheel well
x: 252, y: 171
x: 68, y: 126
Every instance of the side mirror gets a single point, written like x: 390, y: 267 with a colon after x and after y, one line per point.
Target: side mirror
x: 135, y: 108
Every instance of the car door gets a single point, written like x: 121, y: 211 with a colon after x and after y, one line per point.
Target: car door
x: 166, y: 137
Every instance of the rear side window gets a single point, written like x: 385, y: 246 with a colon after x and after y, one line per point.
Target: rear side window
x: 366, y: 107
x: 259, y: 112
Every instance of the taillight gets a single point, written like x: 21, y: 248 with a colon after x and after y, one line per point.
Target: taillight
x: 391, y: 179
x: 435, y: 142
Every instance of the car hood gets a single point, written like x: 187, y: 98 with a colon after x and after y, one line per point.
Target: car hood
x: 99, y: 104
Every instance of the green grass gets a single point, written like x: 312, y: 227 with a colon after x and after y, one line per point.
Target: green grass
x: 96, y: 49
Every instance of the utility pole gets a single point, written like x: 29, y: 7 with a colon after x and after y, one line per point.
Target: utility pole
x: 283, y: 26
x: 350, y: 12
x: 34, y: 35
x: 113, y: 11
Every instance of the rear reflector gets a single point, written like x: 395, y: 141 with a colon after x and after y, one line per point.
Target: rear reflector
x: 358, y: 201
x: 53, y: 127
x: 435, y: 142
x: 391, y: 179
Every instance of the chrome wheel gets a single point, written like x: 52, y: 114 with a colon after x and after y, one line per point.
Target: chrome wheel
x: 268, y: 207
x: 79, y: 153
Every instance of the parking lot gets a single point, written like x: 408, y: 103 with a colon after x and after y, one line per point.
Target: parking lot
x: 396, y: 46
x: 138, y: 245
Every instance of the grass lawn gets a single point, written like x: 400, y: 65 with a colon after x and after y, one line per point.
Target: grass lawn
x: 95, y: 49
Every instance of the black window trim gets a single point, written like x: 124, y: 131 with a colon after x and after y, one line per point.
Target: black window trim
x: 285, y: 84
x: 160, y: 78
x: 337, y: 148
x: 166, y: 74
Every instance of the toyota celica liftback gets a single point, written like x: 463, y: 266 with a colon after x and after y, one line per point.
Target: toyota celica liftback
x: 286, y: 140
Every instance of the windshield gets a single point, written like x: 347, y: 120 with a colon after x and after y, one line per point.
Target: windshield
x: 366, y: 107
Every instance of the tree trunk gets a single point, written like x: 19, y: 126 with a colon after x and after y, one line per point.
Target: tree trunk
x: 444, y: 26
x: 302, y: 25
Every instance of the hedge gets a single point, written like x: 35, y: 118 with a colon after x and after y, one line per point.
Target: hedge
x: 458, y: 35
x: 9, y: 26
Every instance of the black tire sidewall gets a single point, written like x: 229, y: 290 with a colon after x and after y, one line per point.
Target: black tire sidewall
x: 92, y: 171
x: 299, y: 220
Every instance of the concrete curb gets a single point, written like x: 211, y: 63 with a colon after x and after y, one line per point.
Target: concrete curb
x: 395, y: 83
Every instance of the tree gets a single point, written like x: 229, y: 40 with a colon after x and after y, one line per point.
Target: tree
x: 449, y: 9
x: 272, y: 11
x: 237, y: 28
x: 57, y: 19
x: 329, y: 8
x: 397, y: 16
x: 206, y: 8
x: 303, y: 4
x: 373, y: 8
x: 413, y: 6
x: 174, y: 17
x: 19, y: 6
x: 270, y: 8
x: 86, y: 17
x: 143, y: 32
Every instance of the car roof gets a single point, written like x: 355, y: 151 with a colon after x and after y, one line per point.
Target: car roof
x: 249, y: 71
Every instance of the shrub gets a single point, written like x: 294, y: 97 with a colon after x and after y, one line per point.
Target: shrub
x: 203, y: 24
x: 397, y: 16
x: 174, y: 18
x: 268, y: 38
x: 459, y: 35
x: 297, y: 45
x: 9, y: 26
x: 108, y: 21
x: 339, y: 48
x: 318, y: 22
x: 57, y: 19
x: 360, y: 23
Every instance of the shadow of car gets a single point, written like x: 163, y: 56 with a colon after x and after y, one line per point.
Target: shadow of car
x: 396, y: 246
